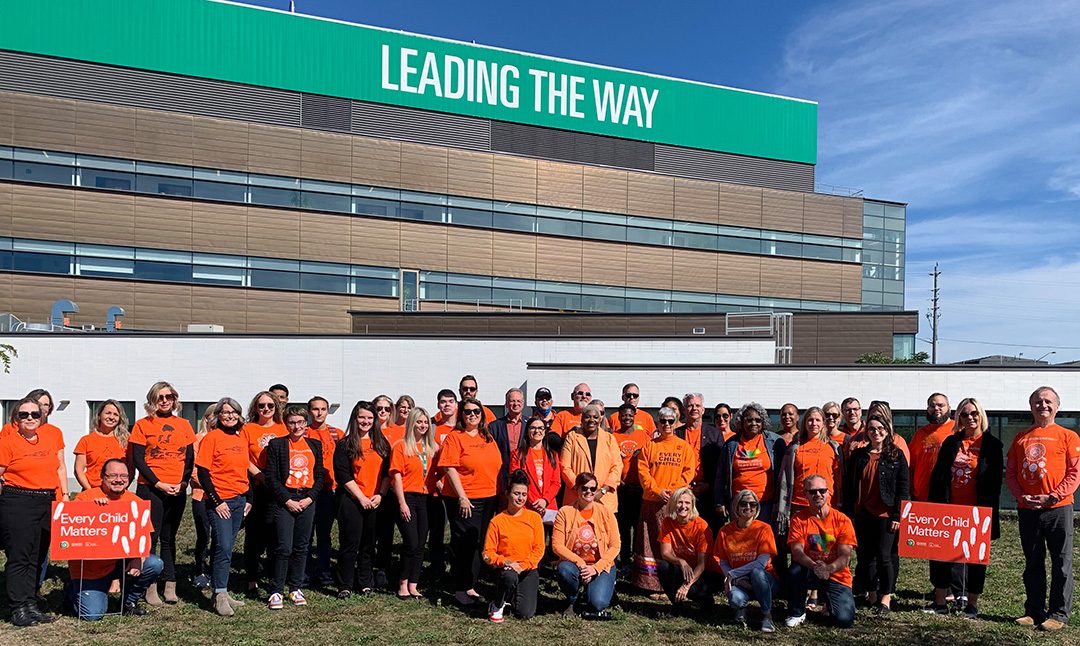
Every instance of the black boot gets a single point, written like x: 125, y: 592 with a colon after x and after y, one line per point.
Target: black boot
x: 21, y: 617
x: 39, y: 616
x: 132, y: 608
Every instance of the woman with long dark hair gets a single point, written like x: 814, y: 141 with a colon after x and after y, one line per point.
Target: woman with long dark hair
x: 358, y: 469
x: 537, y: 458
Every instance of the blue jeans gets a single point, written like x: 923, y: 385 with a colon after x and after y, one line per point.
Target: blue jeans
x: 223, y: 532
x: 92, y: 601
x: 597, y: 592
x: 765, y: 586
x: 841, y: 600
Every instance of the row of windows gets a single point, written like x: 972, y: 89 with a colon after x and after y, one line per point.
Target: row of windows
x: 88, y: 171
x: 883, y: 255
x: 128, y: 263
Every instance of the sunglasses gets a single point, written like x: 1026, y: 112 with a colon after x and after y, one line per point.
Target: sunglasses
x: 383, y: 409
x: 972, y: 415
x: 28, y: 414
x: 631, y: 395
x: 582, y: 393
x: 167, y: 398
x: 468, y: 389
x: 832, y: 415
x: 470, y: 411
x: 817, y: 492
x: 748, y: 504
x: 591, y: 489
x: 666, y: 420
x: 724, y: 415
x: 265, y: 406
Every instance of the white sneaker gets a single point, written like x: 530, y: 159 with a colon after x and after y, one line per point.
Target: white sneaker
x: 794, y: 620
x: 297, y: 598
x: 495, y: 611
x: 276, y: 601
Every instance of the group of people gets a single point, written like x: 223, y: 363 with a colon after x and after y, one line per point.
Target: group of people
x: 681, y: 508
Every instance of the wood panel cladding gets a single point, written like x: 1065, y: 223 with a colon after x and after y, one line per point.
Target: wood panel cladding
x: 823, y: 214
x: 559, y: 184
x: 219, y: 143
x: 781, y: 210
x: 219, y: 228
x: 95, y: 297
x: 851, y: 283
x: 42, y: 122
x: 736, y: 274
x: 695, y: 271
x: 33, y: 296
x: 274, y: 150
x: 376, y: 162
x: 5, y: 207
x: 514, y: 179
x: 163, y: 224
x: 514, y: 255
x: 740, y: 206
x: 781, y: 277
x: 376, y: 242
x: 270, y: 311
x: 164, y: 136
x: 853, y: 217
x: 423, y: 168
x: 603, y: 262
x: 469, y: 251
x: 822, y: 281
x: 162, y: 307
x: 7, y: 118
x: 103, y: 129
x: 325, y: 155
x: 42, y: 212
x: 471, y: 174
x: 104, y: 218
x: 604, y: 189
x: 697, y: 200
x: 325, y: 314
x: 558, y: 259
x: 425, y: 245
x: 325, y: 237
x: 650, y: 267
x: 652, y: 195
x: 273, y: 232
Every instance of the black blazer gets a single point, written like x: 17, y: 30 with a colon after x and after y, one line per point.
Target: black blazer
x: 277, y: 468
x: 502, y: 440
x: 893, y: 481
x: 989, y: 473
x: 711, y: 443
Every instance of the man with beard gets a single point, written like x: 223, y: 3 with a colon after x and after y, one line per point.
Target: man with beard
x: 926, y: 443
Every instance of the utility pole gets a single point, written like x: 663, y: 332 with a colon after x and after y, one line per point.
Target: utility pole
x: 934, y: 315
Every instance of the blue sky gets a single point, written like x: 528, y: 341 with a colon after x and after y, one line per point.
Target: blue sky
x: 969, y: 111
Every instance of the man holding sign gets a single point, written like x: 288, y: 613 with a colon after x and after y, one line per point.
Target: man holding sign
x: 88, y: 589
x: 1042, y: 471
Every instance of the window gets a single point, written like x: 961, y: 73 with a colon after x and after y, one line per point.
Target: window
x: 113, y: 180
x: 211, y: 275
x: 41, y: 263
x: 326, y: 283
x: 511, y: 222
x: 267, y: 196
x: 374, y: 206
x: 157, y: 185
x: 903, y: 346
x: 274, y: 279
x: 167, y: 271
x: 106, y: 267
x: 43, y: 173
x: 470, y: 217
x: 220, y: 191
x: 325, y: 202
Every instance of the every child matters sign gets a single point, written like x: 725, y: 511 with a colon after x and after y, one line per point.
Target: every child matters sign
x: 87, y: 530
x: 957, y: 533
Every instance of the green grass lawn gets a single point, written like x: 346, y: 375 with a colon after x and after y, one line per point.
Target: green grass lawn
x: 383, y: 619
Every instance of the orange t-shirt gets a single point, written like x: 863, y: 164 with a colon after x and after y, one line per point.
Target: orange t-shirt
x: 564, y: 421
x: 693, y: 438
x: 367, y: 468
x: 328, y: 437
x: 665, y: 463
x: 630, y: 445
x: 924, y: 448
x: 821, y: 538
x: 477, y: 462
x: 741, y: 545
x: 642, y: 422
x: 301, y: 466
x: 196, y: 489
x: 224, y: 455
x: 166, y: 440
x: 32, y: 465
x: 413, y: 468
x: 518, y: 537
x: 963, y: 472
x: 752, y: 469
x: 687, y: 541
x: 258, y: 438
x: 586, y: 543
x: 1039, y: 456
x: 98, y: 450
x: 813, y: 457
x: 97, y: 568
x: 393, y: 433
x: 870, y: 489
x: 441, y: 432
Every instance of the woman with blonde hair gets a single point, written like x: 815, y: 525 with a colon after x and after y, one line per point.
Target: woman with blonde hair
x: 107, y: 440
x: 743, y: 553
x: 685, y: 541
x: 163, y: 450
x: 410, y: 462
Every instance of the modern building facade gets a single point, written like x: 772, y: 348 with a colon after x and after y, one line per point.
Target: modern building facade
x: 198, y: 162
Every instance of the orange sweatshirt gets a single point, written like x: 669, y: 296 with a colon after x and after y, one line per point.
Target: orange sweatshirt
x: 518, y: 537
x: 665, y: 463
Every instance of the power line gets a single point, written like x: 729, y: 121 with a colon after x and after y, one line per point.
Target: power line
x: 1010, y: 345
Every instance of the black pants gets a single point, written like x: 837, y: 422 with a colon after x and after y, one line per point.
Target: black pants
x: 293, y: 533
x: 388, y: 514
x: 878, y: 549
x: 671, y: 579
x: 318, y: 566
x: 1042, y: 531
x: 25, y: 526
x: 467, y: 539
x: 258, y: 532
x: 413, y: 534
x: 436, y: 538
x: 962, y: 578
x: 166, y: 513
x: 629, y: 510
x: 202, y: 535
x: 356, y: 542
x: 518, y: 590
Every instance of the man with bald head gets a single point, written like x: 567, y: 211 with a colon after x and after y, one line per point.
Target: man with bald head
x: 565, y: 420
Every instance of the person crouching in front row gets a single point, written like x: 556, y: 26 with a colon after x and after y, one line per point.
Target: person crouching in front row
x: 514, y: 546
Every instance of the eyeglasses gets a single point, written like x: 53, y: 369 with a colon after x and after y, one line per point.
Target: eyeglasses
x: 116, y: 476
x: 667, y: 420
x: 28, y: 414
x: 852, y: 410
x: 748, y: 504
x: 588, y: 489
x: 470, y: 411
x: 542, y: 427
x: 167, y: 397
x: 631, y: 395
x: 817, y: 492
x: 228, y: 413
x: 752, y: 420
x: 266, y: 406
x: 972, y: 414
x: 382, y: 409
x: 582, y: 393
x: 468, y: 389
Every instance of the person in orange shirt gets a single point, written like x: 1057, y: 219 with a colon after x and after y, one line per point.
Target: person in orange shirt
x: 860, y: 439
x: 163, y: 450
x: 106, y: 440
x: 875, y: 485
x: 410, y: 462
x: 586, y: 540
x: 852, y: 412
x: 821, y: 540
x: 468, y: 389
x: 31, y: 472
x: 751, y: 459
x: 743, y: 553
x: 789, y: 422
x: 222, y: 468
x: 706, y: 441
x: 402, y: 406
x: 264, y: 423
x: 722, y: 421
x: 514, y: 546
x: 201, y: 579
x: 446, y: 416
x: 643, y: 421
x: 676, y: 405
x: 471, y: 461
x: 590, y: 448
x: 812, y: 452
x: 1042, y: 471
x: 542, y: 406
x: 926, y: 443
x: 387, y: 514
x: 685, y: 542
x: 540, y: 463
x: 969, y: 471
x: 447, y: 412
x: 318, y: 567
x: 666, y: 464
x: 384, y: 417
x: 295, y: 474
x: 359, y: 472
x: 87, y: 589
x: 631, y: 439
x: 832, y: 414
x: 281, y: 394
x: 565, y: 420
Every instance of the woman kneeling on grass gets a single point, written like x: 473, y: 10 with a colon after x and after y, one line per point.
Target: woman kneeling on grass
x: 514, y: 546
x: 743, y: 552
x: 685, y: 540
x: 586, y: 540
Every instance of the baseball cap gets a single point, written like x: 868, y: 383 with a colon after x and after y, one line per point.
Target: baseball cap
x: 542, y: 393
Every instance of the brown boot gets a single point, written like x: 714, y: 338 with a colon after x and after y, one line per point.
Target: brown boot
x: 152, y: 597
x: 235, y: 603
x: 170, y: 592
x: 222, y: 605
